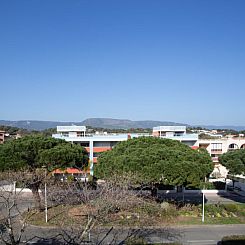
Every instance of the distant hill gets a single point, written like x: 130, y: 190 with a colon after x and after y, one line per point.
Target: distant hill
x: 33, y: 125
x: 93, y: 122
x: 236, y: 128
x: 124, y: 123
x: 109, y: 123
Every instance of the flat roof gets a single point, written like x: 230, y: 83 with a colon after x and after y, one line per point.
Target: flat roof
x: 170, y: 128
x: 72, y: 128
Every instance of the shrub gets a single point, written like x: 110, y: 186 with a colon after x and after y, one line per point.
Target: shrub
x: 231, y: 207
x: 165, y: 205
x: 135, y: 241
x: 233, y: 240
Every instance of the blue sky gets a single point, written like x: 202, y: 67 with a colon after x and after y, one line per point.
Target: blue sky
x: 181, y: 61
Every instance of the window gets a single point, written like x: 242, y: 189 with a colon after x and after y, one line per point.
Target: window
x: 233, y: 146
x: 80, y: 134
x: 105, y: 143
x: 96, y: 154
x: 216, y: 147
x: 84, y: 144
x: 65, y: 134
x: 162, y: 133
x: 178, y: 133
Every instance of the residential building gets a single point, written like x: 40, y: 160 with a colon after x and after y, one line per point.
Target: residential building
x: 176, y: 133
x: 77, y: 174
x: 94, y: 143
x: 2, y: 137
x: 217, y: 147
x: 102, y: 141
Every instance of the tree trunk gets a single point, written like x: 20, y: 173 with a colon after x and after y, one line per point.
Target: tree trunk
x: 37, y: 198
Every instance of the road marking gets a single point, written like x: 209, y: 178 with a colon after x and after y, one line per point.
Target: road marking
x: 201, y: 241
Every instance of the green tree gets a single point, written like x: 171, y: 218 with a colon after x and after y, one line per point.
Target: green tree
x: 234, y: 161
x: 29, y: 154
x: 152, y: 160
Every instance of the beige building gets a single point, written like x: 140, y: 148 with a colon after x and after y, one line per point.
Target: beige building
x: 217, y: 147
x: 1, y: 137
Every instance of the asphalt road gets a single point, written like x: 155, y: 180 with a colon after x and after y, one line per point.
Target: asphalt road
x: 229, y: 197
x: 199, y: 235
x: 187, y: 235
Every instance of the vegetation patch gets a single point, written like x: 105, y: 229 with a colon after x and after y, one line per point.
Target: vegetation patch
x: 145, y: 213
x: 233, y: 240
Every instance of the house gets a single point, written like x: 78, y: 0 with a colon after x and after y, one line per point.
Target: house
x: 64, y: 174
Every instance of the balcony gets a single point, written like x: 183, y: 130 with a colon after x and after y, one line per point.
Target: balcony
x: 216, y: 151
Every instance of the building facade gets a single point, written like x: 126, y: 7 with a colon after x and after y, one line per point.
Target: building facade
x: 2, y: 137
x: 93, y: 143
x: 176, y: 133
x: 102, y: 141
x: 217, y: 147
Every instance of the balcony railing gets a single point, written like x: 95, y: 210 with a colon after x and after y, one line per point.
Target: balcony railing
x: 217, y: 151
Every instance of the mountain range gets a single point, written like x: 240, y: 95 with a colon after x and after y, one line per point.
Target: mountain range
x: 105, y: 123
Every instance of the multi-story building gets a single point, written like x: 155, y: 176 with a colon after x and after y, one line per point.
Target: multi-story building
x: 100, y: 142
x: 176, y: 133
x: 2, y: 137
x: 217, y: 147
x: 93, y: 143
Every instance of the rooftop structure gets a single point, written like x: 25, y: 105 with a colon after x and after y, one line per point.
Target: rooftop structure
x: 176, y: 133
x: 71, y: 131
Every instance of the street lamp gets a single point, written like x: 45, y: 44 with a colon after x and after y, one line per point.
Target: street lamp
x: 203, y: 202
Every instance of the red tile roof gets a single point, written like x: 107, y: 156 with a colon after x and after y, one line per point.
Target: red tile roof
x: 69, y: 171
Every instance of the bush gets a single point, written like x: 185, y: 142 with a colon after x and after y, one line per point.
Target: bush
x: 214, y: 210
x: 219, y: 185
x: 135, y: 241
x: 231, y: 207
x: 233, y: 240
x: 165, y: 205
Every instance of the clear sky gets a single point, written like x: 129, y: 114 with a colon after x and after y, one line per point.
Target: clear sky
x: 170, y: 60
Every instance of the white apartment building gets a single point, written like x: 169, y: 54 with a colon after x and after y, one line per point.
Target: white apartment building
x: 93, y: 143
x: 100, y: 142
x: 176, y: 133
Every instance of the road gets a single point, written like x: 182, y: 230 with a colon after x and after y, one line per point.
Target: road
x: 23, y: 202
x: 186, y: 235
x: 210, y: 234
x: 229, y: 197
